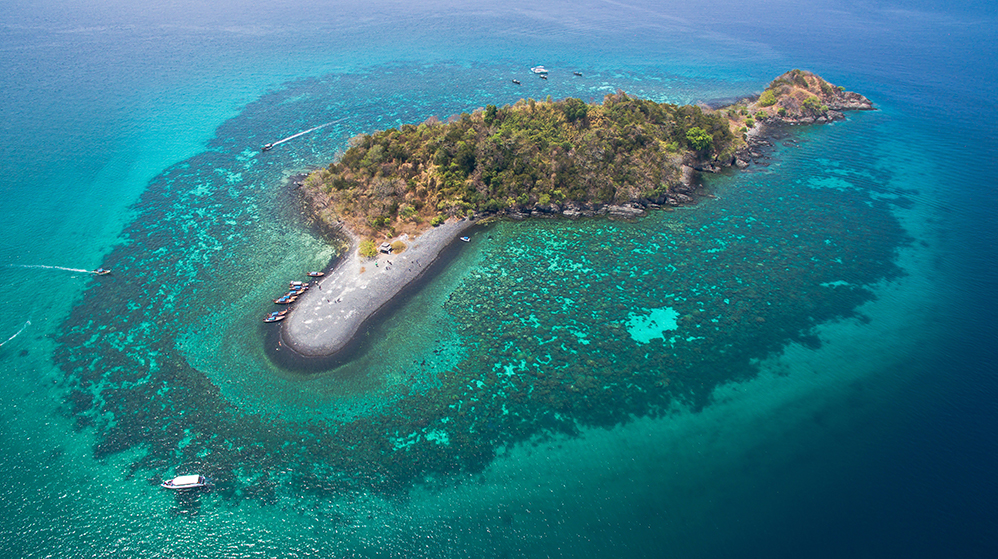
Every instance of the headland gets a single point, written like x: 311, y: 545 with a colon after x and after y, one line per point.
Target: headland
x: 412, y: 191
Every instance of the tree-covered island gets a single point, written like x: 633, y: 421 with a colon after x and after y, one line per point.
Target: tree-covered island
x: 564, y: 156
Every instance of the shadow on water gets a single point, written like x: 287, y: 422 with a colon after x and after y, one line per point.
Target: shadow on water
x: 187, y: 503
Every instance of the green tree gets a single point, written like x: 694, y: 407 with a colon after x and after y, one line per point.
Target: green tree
x: 367, y: 248
x: 574, y: 109
x: 699, y: 139
x: 767, y: 99
x: 490, y: 114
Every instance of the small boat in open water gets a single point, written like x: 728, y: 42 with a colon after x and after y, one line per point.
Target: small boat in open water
x: 101, y: 272
x: 267, y: 147
x: 185, y: 482
x: 517, y: 82
x: 539, y: 70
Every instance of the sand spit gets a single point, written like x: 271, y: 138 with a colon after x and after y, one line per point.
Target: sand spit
x: 329, y: 315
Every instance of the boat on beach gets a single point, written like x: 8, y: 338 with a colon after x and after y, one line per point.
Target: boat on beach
x: 316, y: 274
x: 286, y: 300
x: 185, y: 482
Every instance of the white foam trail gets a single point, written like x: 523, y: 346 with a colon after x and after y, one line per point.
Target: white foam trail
x: 307, y: 131
x: 49, y: 267
x: 26, y: 324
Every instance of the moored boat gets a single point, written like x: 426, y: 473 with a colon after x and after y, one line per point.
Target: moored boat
x: 578, y: 74
x: 185, y: 482
x: 466, y: 239
x: 517, y: 82
x: 316, y: 274
x: 275, y: 318
x: 286, y: 300
x: 539, y: 70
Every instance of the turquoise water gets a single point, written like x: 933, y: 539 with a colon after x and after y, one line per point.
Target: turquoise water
x: 802, y: 364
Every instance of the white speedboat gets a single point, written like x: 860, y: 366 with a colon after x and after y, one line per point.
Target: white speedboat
x: 539, y: 70
x: 185, y: 482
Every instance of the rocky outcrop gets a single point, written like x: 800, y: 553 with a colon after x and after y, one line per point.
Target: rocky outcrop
x: 850, y: 101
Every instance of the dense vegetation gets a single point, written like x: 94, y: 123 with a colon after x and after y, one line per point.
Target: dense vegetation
x: 514, y: 158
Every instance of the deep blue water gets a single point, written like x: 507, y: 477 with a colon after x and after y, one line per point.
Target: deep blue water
x: 828, y: 388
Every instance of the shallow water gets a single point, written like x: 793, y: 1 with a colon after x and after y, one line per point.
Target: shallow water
x: 798, y: 365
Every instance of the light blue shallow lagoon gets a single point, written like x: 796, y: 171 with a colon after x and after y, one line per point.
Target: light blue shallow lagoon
x: 803, y: 364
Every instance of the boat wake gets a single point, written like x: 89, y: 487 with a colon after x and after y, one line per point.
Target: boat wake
x: 302, y: 133
x: 49, y: 267
x: 26, y: 324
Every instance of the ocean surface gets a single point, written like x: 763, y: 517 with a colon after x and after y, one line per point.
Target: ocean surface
x: 801, y: 365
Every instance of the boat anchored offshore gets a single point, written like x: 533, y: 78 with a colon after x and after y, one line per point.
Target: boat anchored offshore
x: 185, y: 482
x: 466, y: 239
x: 539, y: 70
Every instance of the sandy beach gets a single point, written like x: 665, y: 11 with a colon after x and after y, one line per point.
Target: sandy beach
x: 328, y: 316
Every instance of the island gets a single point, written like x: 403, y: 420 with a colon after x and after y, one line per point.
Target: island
x: 399, y: 197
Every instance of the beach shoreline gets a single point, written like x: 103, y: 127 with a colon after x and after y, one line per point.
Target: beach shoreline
x: 337, y: 307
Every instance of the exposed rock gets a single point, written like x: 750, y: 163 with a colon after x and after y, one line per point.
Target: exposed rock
x: 689, y: 175
x: 850, y: 101
x: 629, y: 211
